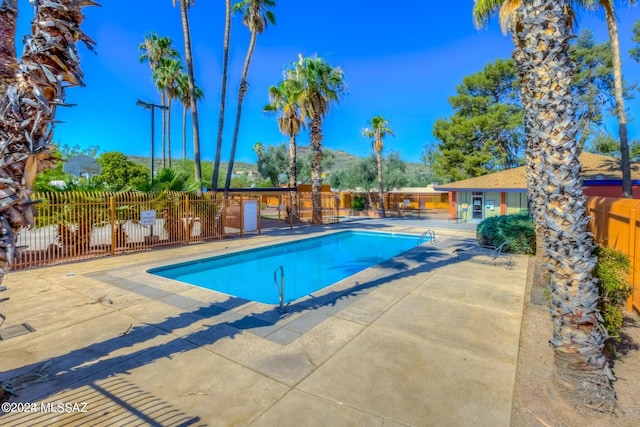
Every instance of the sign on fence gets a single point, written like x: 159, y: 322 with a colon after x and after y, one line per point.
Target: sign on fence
x: 148, y: 217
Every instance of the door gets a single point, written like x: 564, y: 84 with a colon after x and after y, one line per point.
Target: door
x: 477, y: 201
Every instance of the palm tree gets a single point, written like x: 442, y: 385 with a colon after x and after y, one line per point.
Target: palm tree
x: 580, y: 373
x: 256, y: 16
x: 612, y: 27
x: 192, y: 92
x: 155, y: 48
x: 8, y: 24
x: 223, y: 92
x: 28, y: 105
x: 284, y: 99
x: 378, y: 130
x: 322, y: 85
x: 185, y: 99
x: 166, y: 77
x: 483, y: 10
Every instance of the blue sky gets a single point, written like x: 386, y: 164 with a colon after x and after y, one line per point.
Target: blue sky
x: 400, y: 61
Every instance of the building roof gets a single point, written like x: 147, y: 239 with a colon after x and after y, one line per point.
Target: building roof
x: 414, y: 190
x: 595, y: 167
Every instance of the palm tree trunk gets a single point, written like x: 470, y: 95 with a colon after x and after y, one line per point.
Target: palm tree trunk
x: 223, y: 93
x: 184, y: 133
x: 316, y: 169
x: 293, y: 176
x: 169, y: 131
x: 242, y: 91
x: 580, y: 372
x: 28, y: 106
x: 380, y: 183
x: 535, y: 195
x: 612, y: 27
x: 163, y: 102
x: 8, y: 60
x: 188, y: 54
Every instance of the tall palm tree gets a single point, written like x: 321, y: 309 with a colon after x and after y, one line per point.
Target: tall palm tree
x: 580, y: 372
x: 192, y: 92
x: 378, y: 130
x: 483, y: 10
x: 29, y: 97
x: 8, y: 24
x: 223, y: 92
x: 612, y: 27
x: 166, y: 77
x: 256, y: 16
x: 155, y: 48
x: 322, y: 85
x: 185, y: 99
x: 283, y: 98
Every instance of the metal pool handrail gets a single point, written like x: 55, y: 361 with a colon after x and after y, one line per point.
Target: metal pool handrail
x: 281, y: 287
x: 426, y: 235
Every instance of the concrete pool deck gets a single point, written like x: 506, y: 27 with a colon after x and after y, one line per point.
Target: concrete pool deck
x: 418, y: 340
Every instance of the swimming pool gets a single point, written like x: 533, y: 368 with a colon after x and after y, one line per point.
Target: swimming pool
x: 309, y: 265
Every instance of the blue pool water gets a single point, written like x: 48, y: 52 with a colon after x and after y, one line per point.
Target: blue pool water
x: 309, y: 265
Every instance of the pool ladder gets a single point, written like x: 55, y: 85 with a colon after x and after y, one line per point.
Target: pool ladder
x: 429, y: 235
x: 281, y: 287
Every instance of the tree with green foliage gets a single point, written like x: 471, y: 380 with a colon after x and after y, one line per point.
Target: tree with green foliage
x: 395, y: 172
x: 303, y: 166
x: 634, y: 52
x: 50, y: 179
x: 485, y: 132
x: 283, y: 98
x: 360, y: 175
x: 322, y: 86
x: 154, y: 49
x: 120, y: 173
x: 255, y: 16
x: 592, y: 83
x: 607, y: 145
x: 378, y: 130
x: 508, y: 11
x: 608, y: 7
x: 168, y: 180
x: 272, y: 162
x: 166, y: 76
x: 428, y: 157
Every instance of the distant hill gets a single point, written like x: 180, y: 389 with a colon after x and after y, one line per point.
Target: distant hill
x: 342, y: 161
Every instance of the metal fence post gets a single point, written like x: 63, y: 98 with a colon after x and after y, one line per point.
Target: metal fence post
x: 187, y: 219
x: 112, y: 214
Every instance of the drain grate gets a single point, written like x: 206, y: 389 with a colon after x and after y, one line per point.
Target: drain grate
x: 15, y: 331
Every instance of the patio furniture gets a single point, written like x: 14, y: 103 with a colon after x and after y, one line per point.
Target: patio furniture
x: 486, y: 254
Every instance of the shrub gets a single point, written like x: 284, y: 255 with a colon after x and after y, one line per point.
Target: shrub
x: 612, y: 273
x: 517, y: 230
x: 358, y: 203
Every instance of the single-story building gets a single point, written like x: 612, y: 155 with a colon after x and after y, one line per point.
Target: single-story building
x: 505, y: 192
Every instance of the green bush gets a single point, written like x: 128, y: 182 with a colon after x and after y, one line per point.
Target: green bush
x: 612, y: 273
x: 517, y: 230
x: 358, y: 203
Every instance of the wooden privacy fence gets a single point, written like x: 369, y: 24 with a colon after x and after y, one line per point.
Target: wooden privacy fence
x: 401, y: 203
x: 614, y: 224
